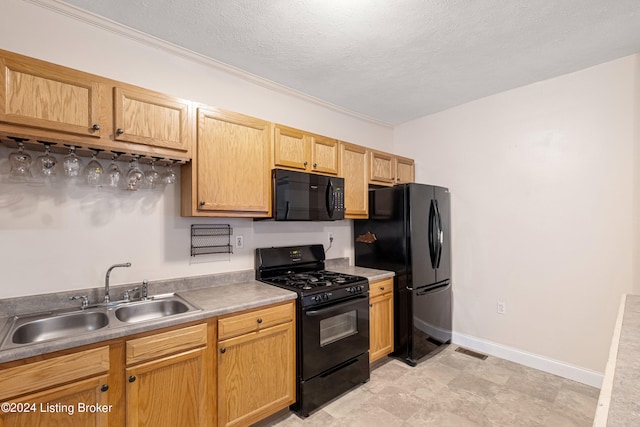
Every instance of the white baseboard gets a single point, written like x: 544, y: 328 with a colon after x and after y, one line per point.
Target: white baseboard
x: 562, y: 369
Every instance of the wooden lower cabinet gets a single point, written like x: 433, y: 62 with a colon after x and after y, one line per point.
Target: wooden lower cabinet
x: 67, y: 390
x: 168, y: 392
x: 256, y: 370
x: 381, y: 319
x: 170, y: 379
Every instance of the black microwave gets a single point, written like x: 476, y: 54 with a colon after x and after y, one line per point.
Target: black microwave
x: 300, y: 196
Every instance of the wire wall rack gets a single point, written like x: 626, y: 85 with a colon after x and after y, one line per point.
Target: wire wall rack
x: 211, y: 239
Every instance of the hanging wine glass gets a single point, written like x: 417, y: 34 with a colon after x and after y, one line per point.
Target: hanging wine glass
x: 20, y: 163
x: 94, y: 171
x: 114, y: 178
x: 46, y: 163
x: 169, y: 176
x: 135, y: 176
x: 152, y: 177
x: 71, y: 163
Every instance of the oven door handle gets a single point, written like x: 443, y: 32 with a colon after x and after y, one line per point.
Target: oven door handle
x: 356, y: 300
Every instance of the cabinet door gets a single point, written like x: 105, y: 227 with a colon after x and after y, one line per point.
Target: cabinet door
x: 82, y: 403
x: 233, y: 164
x: 290, y: 148
x: 381, y: 168
x: 404, y: 170
x: 324, y: 155
x: 353, y: 159
x: 256, y: 375
x: 168, y: 392
x: 381, y: 333
x: 46, y: 96
x: 151, y: 119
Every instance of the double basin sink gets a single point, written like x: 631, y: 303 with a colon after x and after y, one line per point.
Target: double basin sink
x: 30, y: 329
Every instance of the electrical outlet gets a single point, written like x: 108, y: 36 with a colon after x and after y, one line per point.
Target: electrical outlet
x: 331, y: 237
x: 240, y: 241
x: 502, y: 307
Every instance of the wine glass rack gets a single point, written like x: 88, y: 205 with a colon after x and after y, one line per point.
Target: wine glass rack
x: 211, y: 239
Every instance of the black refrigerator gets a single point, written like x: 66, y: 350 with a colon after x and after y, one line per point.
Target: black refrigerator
x: 408, y: 232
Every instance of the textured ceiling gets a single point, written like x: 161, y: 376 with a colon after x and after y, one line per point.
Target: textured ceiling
x: 391, y: 60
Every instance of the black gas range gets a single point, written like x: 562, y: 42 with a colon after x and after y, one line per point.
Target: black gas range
x: 332, y: 322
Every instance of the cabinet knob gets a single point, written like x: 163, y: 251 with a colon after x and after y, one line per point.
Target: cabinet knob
x: 104, y: 387
x: 201, y: 202
x: 305, y: 163
x: 315, y: 165
x: 119, y: 131
x: 95, y: 127
x: 382, y: 288
x: 132, y: 378
x: 223, y: 350
x: 370, y: 305
x: 259, y: 320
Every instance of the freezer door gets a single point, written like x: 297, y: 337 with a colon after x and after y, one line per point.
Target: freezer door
x: 431, y: 312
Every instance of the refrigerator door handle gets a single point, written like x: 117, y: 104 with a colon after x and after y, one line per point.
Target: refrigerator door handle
x: 432, y: 237
x: 440, y: 235
x: 433, y: 289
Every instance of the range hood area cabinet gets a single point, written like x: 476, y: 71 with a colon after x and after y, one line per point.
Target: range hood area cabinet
x: 230, y: 175
x: 44, y: 101
x: 303, y: 151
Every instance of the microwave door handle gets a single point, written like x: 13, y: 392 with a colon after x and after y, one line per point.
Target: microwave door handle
x: 330, y: 199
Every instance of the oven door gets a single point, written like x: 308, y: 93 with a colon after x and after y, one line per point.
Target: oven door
x: 333, y: 334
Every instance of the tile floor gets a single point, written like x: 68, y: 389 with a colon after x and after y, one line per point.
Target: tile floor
x: 453, y: 389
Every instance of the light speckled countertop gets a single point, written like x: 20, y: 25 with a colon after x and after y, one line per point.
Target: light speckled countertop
x: 214, y: 301
x: 619, y: 403
x: 216, y: 295
x: 372, y: 274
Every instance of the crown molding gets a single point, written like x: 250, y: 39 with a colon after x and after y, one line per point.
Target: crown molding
x: 103, y: 23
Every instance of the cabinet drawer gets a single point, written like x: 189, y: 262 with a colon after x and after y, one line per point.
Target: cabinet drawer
x: 58, y: 370
x: 380, y: 287
x: 248, y: 322
x: 154, y: 346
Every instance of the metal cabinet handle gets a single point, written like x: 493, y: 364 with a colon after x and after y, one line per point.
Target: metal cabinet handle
x: 95, y: 127
x: 104, y: 387
x: 119, y: 131
x: 382, y: 288
x: 259, y: 320
x: 201, y: 202
x: 370, y: 305
x: 223, y: 350
x: 132, y: 378
x: 315, y: 165
x: 305, y: 163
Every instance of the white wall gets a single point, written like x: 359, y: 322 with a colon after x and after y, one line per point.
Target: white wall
x: 543, y: 180
x: 56, y: 238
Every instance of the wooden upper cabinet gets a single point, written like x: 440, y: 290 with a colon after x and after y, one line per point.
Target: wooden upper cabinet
x: 46, y: 96
x: 304, y: 151
x: 354, y: 170
x: 381, y: 168
x: 44, y: 101
x: 150, y: 118
x: 405, y: 170
x: 232, y: 172
x: 324, y: 155
x: 290, y: 148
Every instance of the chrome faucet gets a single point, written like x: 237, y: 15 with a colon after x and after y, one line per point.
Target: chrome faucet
x: 106, y: 279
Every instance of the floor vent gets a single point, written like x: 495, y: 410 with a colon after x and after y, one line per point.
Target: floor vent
x: 471, y: 353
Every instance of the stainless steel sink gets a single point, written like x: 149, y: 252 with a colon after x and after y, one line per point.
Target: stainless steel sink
x: 27, y: 331
x: 151, y: 309
x: 31, y: 329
